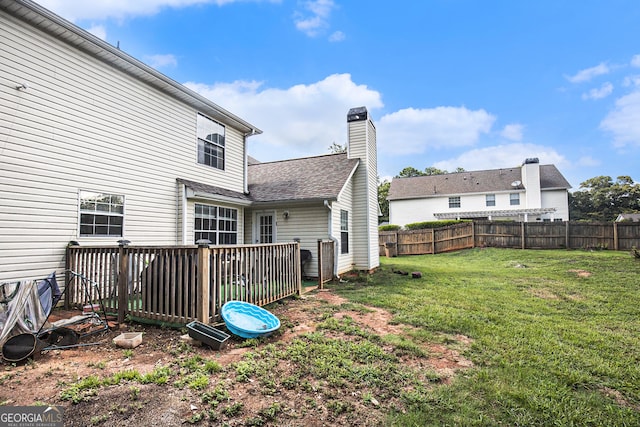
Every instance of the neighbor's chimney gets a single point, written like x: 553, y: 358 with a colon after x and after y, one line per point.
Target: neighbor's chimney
x: 362, y: 145
x: 531, y: 180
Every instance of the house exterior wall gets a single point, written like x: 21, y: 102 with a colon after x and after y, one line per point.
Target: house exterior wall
x: 82, y: 125
x: 559, y: 200
x: 403, y: 212
x: 307, y: 223
x: 345, y: 262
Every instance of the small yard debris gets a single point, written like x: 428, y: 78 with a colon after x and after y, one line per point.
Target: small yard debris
x: 416, y: 275
x: 402, y: 273
x: 128, y: 340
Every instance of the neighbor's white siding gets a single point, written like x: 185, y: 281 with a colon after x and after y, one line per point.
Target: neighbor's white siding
x: 83, y: 125
x: 403, y: 212
x: 558, y: 199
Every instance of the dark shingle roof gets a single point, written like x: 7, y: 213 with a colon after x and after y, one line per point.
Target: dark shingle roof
x: 310, y: 178
x: 212, y: 189
x: 470, y: 182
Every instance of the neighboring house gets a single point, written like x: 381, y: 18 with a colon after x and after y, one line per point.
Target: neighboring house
x: 96, y: 146
x: 532, y: 192
x: 628, y: 217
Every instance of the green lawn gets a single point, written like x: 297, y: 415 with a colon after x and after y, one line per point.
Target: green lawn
x: 556, y: 334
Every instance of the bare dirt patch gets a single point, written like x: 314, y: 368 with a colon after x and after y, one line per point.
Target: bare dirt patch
x: 581, y: 273
x: 309, y: 402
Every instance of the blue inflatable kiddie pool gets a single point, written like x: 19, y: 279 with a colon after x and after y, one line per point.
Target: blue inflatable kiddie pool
x: 248, y: 320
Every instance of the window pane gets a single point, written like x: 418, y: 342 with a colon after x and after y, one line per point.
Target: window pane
x: 344, y: 243
x: 211, y: 142
x: 101, y: 214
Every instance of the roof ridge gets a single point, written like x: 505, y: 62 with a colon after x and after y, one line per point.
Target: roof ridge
x: 297, y: 159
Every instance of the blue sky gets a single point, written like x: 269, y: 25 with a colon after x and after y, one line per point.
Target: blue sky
x: 448, y: 83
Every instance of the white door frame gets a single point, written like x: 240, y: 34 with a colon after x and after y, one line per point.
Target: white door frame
x: 270, y: 217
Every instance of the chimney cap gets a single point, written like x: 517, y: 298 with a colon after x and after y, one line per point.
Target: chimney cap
x: 531, y: 160
x: 357, y: 114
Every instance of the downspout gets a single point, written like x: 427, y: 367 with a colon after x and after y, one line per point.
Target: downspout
x: 184, y: 214
x: 335, y: 241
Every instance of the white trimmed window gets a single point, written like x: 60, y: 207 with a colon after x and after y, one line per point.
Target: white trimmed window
x: 491, y: 200
x: 210, y: 142
x: 217, y: 224
x: 454, y: 202
x: 514, y: 199
x: 101, y: 214
x: 344, y: 232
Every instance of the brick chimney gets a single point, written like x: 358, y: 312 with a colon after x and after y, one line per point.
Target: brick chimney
x: 362, y: 145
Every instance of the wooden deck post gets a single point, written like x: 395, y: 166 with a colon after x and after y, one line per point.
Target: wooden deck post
x: 320, y: 264
x: 202, y: 293
x: 123, y: 275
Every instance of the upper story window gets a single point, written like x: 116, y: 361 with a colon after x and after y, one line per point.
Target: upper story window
x: 454, y: 202
x: 514, y: 199
x: 217, y: 224
x: 210, y: 142
x: 491, y: 199
x: 344, y: 232
x: 101, y: 214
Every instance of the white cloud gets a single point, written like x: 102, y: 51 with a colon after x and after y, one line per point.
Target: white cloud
x: 337, y: 36
x: 589, y: 73
x: 412, y: 131
x: 602, y: 92
x: 635, y: 61
x: 75, y: 10
x: 161, y: 61
x: 315, y: 16
x: 299, y: 121
x: 99, y: 31
x: 588, y: 161
x: 512, y: 132
x: 624, y: 121
x: 633, y: 81
x: 502, y: 156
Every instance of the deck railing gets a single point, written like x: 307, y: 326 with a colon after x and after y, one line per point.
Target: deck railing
x: 179, y: 284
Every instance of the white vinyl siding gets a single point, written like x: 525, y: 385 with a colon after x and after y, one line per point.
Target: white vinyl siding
x: 305, y: 223
x: 364, y: 225
x: 84, y: 125
x: 346, y: 262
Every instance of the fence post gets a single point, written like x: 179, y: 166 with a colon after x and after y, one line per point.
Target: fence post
x: 320, y: 265
x: 298, y: 263
x: 68, y: 266
x: 123, y: 274
x: 522, y: 233
x: 566, y: 236
x: 202, y: 287
x: 433, y: 241
x: 615, y: 236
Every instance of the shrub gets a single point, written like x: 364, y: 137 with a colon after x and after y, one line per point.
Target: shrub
x: 434, y: 224
x: 389, y: 227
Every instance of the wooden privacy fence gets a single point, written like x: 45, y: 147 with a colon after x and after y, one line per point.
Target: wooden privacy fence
x: 502, y: 234
x: 181, y: 283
